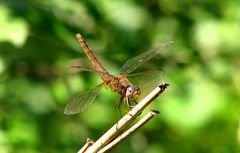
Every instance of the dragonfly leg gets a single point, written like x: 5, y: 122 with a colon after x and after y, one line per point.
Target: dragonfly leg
x: 127, y: 102
x: 117, y: 105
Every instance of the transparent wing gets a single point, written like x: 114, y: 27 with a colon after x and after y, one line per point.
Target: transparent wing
x: 135, y: 62
x: 81, y: 102
x: 78, y: 65
x: 146, y: 81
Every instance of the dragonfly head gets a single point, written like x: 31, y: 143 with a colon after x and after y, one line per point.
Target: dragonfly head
x: 133, y: 92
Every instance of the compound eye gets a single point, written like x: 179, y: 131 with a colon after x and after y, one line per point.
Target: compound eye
x: 129, y: 92
x: 132, y: 91
x: 136, y: 94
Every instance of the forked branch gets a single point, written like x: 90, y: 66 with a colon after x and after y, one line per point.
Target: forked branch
x: 130, y: 131
x: 113, y: 132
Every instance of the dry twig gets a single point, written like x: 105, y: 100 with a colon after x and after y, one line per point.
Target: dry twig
x: 111, y: 134
x: 130, y: 131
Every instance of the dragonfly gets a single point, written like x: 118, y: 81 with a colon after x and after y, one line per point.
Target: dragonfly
x: 126, y: 85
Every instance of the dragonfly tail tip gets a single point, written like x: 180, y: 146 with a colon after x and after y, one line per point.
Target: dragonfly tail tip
x: 78, y: 35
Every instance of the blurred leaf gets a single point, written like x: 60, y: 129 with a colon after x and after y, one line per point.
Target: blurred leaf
x: 12, y: 29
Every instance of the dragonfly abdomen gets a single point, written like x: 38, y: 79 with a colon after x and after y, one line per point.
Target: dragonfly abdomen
x: 103, y: 73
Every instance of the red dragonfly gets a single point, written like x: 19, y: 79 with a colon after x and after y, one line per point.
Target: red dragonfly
x: 124, y: 84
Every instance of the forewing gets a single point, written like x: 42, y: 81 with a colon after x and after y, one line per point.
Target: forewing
x: 135, y: 62
x: 146, y: 81
x: 81, y: 102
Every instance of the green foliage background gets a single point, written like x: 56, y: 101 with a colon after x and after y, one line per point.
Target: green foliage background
x: 200, y: 109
